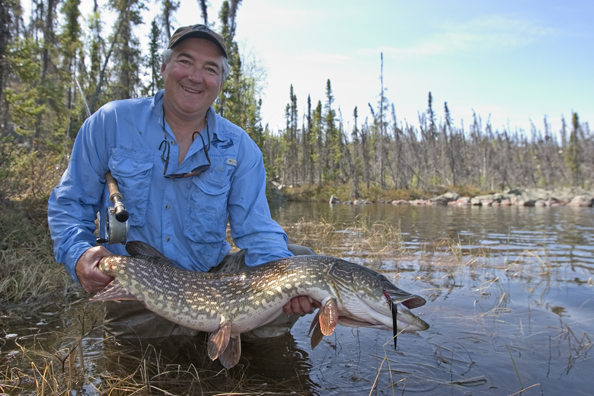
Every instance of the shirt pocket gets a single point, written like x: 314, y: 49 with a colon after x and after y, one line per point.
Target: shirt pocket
x: 132, y: 169
x: 207, y: 218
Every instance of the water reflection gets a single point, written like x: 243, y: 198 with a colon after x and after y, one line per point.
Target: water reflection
x: 180, y: 365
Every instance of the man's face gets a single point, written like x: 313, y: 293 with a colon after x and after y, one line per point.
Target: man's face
x: 193, y: 78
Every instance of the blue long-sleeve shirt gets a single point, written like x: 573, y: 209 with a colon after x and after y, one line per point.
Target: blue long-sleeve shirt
x: 185, y: 218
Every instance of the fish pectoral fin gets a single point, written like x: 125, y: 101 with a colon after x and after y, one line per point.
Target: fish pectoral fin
x: 329, y: 317
x: 113, y: 291
x: 317, y: 335
x: 218, y: 341
x: 232, y: 353
x: 314, y: 322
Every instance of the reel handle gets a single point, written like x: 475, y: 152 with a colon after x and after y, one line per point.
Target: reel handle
x: 121, y: 214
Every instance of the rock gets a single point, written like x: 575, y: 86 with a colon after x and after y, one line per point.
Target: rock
x: 400, y: 202
x: 463, y: 201
x: 582, y: 201
x: 444, y: 199
x: 515, y: 191
x: 274, y: 193
x: 334, y: 200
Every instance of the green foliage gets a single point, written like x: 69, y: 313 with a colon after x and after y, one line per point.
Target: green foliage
x: 154, y: 61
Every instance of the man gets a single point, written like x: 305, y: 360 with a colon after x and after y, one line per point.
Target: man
x: 183, y: 171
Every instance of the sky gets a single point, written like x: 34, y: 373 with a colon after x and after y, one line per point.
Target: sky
x: 512, y: 62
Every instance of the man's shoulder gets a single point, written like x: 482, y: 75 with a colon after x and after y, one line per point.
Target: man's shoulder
x: 229, y: 129
x: 126, y: 105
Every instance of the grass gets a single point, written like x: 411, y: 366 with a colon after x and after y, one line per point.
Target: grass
x: 370, y: 241
x: 29, y: 272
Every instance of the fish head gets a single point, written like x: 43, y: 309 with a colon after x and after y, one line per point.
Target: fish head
x: 367, y: 298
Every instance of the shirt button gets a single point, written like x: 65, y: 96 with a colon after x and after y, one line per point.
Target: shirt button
x: 173, y: 142
x: 167, y: 207
x: 167, y: 239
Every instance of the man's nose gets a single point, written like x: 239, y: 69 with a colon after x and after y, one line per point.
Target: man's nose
x: 196, y: 75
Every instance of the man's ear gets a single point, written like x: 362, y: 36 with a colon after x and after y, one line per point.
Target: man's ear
x: 163, y: 66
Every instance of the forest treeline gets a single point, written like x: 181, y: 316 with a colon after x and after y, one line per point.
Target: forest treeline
x: 58, y: 66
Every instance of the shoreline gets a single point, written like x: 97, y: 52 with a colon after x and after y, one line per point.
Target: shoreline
x: 574, y: 197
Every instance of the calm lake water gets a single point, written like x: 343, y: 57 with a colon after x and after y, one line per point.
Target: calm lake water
x: 510, y: 302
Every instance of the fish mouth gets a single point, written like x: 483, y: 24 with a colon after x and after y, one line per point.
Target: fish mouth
x: 409, y: 322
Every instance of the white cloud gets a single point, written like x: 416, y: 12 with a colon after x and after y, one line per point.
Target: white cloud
x: 491, y: 32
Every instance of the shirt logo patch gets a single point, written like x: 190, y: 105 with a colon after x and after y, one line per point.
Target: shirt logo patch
x: 231, y: 161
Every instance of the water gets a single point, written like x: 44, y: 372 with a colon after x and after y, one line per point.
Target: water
x: 510, y: 301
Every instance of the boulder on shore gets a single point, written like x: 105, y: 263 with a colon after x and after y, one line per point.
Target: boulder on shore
x: 334, y: 200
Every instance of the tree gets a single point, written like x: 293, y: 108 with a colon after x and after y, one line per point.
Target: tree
x: 290, y: 138
x: 71, y: 46
x: 127, y: 49
x: 447, y: 142
x: 331, y: 136
x: 572, y: 154
x: 154, y: 61
x: 204, y: 11
x: 168, y: 8
x: 317, y: 141
x: 357, y: 165
x: 5, y: 22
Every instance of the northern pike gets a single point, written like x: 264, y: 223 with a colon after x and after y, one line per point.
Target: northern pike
x: 228, y: 304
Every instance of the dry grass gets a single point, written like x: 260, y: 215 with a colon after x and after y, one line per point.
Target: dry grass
x: 29, y: 271
x: 370, y: 241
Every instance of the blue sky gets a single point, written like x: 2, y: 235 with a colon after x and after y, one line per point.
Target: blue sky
x: 512, y: 61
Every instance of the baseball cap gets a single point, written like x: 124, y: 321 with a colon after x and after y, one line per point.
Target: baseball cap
x: 198, y: 31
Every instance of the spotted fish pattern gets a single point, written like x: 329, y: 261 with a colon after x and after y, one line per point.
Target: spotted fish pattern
x: 228, y: 304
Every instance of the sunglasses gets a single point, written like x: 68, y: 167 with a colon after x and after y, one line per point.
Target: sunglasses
x: 165, y: 147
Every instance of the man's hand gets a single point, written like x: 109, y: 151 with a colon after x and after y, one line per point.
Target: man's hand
x: 87, y: 269
x: 301, y: 305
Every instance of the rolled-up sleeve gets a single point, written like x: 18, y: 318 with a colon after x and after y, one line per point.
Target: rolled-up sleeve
x: 252, y: 227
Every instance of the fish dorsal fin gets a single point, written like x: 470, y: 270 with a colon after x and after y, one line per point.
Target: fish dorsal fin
x: 112, y: 292
x: 328, y: 317
x: 218, y: 341
x: 139, y: 248
x: 316, y: 336
x: 232, y: 353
